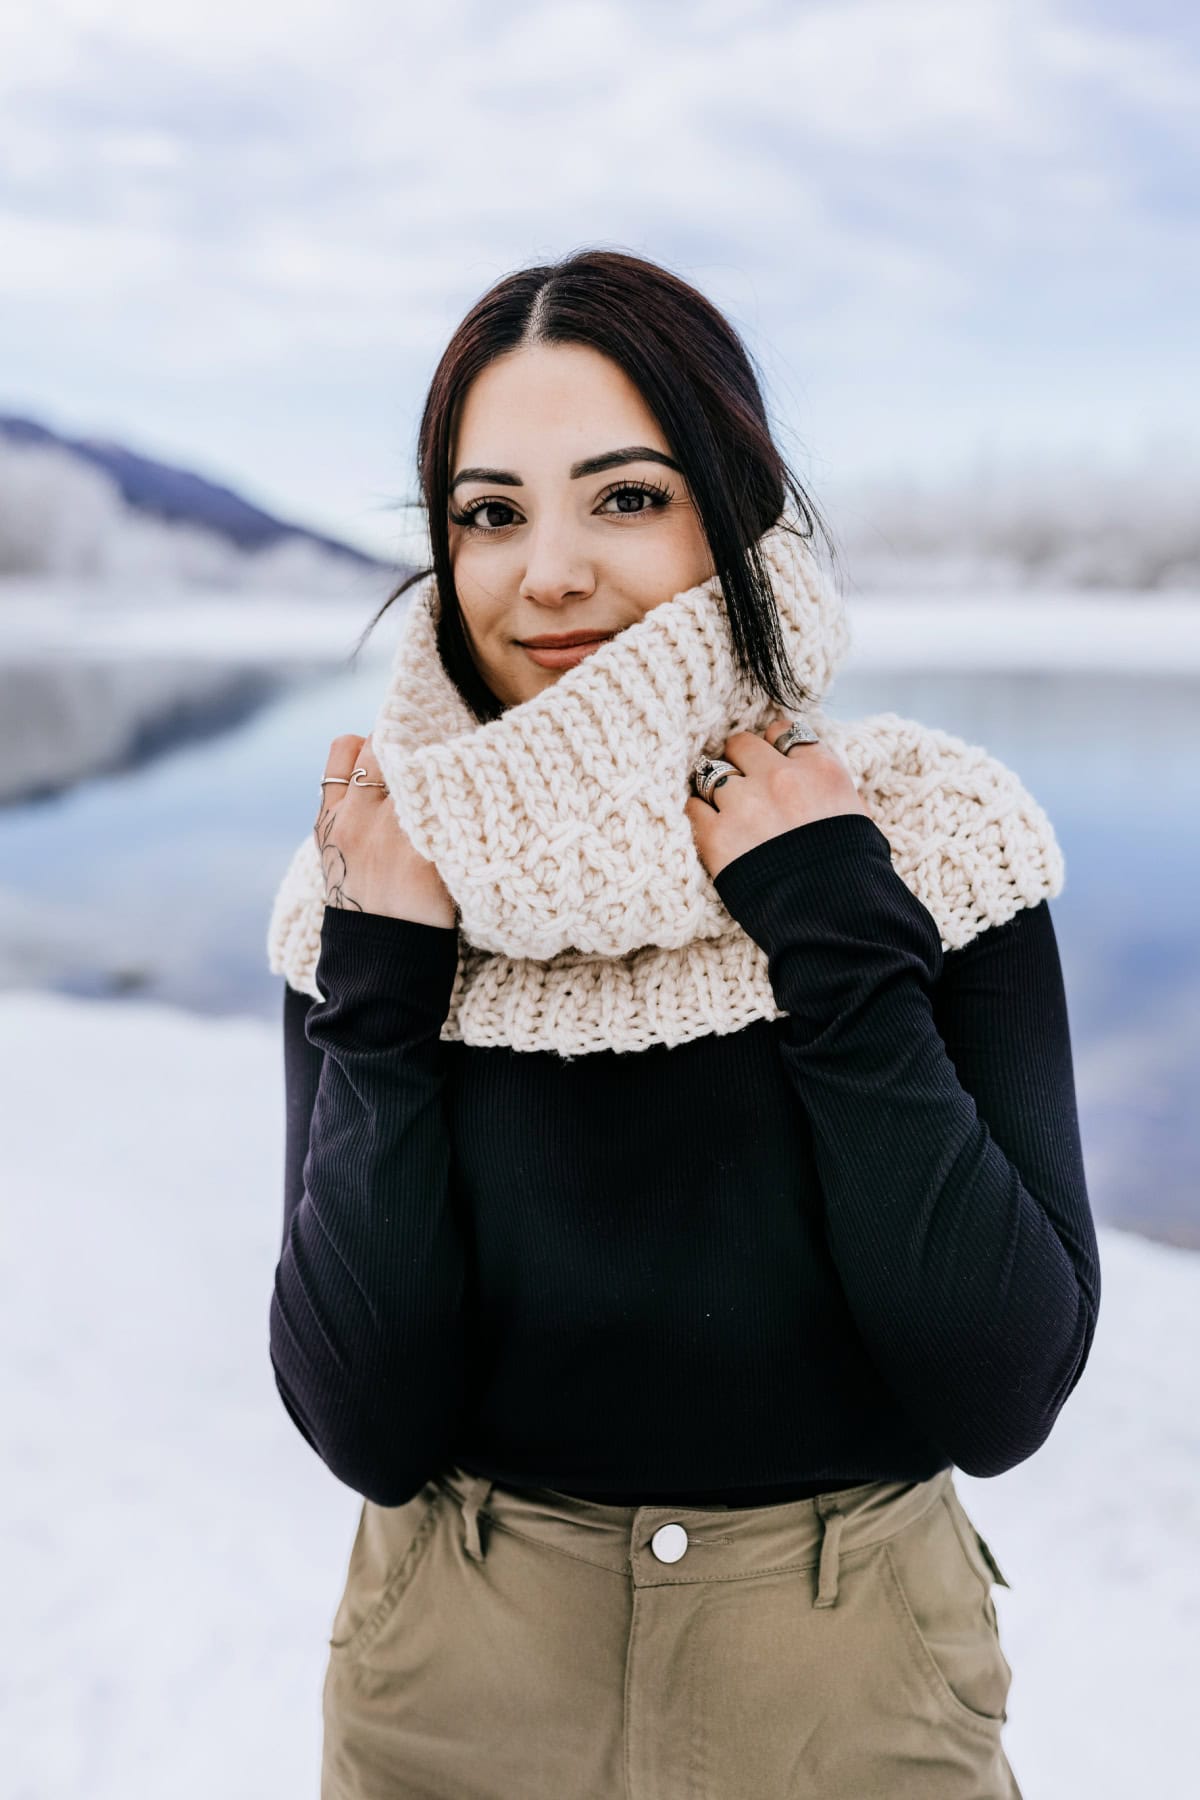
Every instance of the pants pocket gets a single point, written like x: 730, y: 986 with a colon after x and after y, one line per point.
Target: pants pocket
x: 940, y: 1582
x: 974, y: 1541
x: 387, y: 1550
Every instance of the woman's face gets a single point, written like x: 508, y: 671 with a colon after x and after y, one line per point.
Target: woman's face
x: 555, y: 545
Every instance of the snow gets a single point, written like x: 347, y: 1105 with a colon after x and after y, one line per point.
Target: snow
x: 106, y: 621
x: 177, y: 1551
x: 1134, y: 633
x: 964, y: 627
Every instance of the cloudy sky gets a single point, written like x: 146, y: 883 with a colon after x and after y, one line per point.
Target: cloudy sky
x: 239, y: 235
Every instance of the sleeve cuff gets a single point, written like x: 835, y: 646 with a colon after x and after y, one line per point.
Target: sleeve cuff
x: 389, y: 979
x: 808, y: 855
x: 832, y: 876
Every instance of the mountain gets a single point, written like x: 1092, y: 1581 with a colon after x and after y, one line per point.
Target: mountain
x: 165, y: 493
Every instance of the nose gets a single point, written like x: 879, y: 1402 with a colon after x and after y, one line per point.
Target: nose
x: 555, y: 573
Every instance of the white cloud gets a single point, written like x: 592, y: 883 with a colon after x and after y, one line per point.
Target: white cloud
x: 1149, y: 73
x: 210, y: 193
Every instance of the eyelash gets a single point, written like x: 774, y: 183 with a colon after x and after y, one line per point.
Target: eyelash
x: 659, y: 496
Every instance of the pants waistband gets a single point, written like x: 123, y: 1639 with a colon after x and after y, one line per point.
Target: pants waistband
x: 718, y: 1546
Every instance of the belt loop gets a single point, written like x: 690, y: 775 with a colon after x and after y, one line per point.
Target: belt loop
x: 827, y: 1581
x: 478, y: 1489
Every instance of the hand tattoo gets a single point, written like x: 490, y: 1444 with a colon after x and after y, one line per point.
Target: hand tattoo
x: 333, y: 862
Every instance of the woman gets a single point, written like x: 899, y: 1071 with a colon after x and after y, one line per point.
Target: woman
x: 683, y: 1172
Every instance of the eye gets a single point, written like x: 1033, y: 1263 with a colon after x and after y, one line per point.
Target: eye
x: 657, y: 497
x: 467, y: 518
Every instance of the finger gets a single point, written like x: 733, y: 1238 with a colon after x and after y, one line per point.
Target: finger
x: 341, y: 761
x: 775, y: 729
x: 749, y: 751
x: 699, y: 814
x: 724, y: 788
x: 368, y: 760
x: 820, y: 747
x: 721, y: 786
x: 343, y: 754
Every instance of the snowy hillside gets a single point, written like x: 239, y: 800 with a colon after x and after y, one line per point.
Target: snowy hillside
x: 1030, y: 524
x: 142, y: 605
x: 98, y: 511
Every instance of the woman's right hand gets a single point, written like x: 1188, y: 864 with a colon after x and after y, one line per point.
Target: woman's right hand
x: 367, y: 857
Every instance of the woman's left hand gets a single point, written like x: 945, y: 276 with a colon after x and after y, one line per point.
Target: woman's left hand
x: 772, y: 794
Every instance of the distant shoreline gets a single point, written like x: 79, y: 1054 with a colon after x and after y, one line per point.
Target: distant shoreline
x: 1119, y: 630
x: 92, y: 683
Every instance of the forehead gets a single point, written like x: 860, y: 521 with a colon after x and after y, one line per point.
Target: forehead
x: 550, y: 403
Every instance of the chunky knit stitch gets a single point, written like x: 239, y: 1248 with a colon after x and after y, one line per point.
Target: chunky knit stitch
x: 586, y: 919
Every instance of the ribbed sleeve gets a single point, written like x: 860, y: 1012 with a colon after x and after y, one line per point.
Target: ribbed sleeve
x: 950, y: 1167
x: 367, y: 1315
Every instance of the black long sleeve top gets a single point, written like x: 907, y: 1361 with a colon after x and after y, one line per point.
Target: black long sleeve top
x: 850, y: 1244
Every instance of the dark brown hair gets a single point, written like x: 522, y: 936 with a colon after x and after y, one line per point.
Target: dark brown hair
x: 695, y: 376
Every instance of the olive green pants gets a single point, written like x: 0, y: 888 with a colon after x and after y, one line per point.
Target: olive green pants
x: 496, y: 1644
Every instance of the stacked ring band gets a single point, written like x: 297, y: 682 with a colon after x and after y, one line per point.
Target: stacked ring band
x: 710, y: 772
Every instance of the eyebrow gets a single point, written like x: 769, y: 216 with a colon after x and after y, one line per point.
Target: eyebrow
x: 591, y: 465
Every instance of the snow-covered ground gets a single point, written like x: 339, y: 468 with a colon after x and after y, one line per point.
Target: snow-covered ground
x: 1125, y: 632
x: 176, y: 1551
x: 961, y: 627
x: 67, y: 618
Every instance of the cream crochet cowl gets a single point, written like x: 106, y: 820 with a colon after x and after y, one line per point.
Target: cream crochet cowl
x: 586, y: 919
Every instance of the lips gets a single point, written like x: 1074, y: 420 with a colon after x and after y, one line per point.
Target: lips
x: 566, y: 651
x: 565, y: 640
x: 565, y: 656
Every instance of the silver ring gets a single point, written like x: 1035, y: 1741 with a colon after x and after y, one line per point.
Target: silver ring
x: 797, y: 733
x: 350, y: 780
x: 710, y: 773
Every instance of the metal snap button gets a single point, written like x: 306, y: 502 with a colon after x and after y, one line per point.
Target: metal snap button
x: 669, y: 1543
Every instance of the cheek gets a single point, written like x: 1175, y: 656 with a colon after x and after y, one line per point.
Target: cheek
x: 483, y: 617
x: 650, y: 587
x: 657, y: 570
x: 505, y: 668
